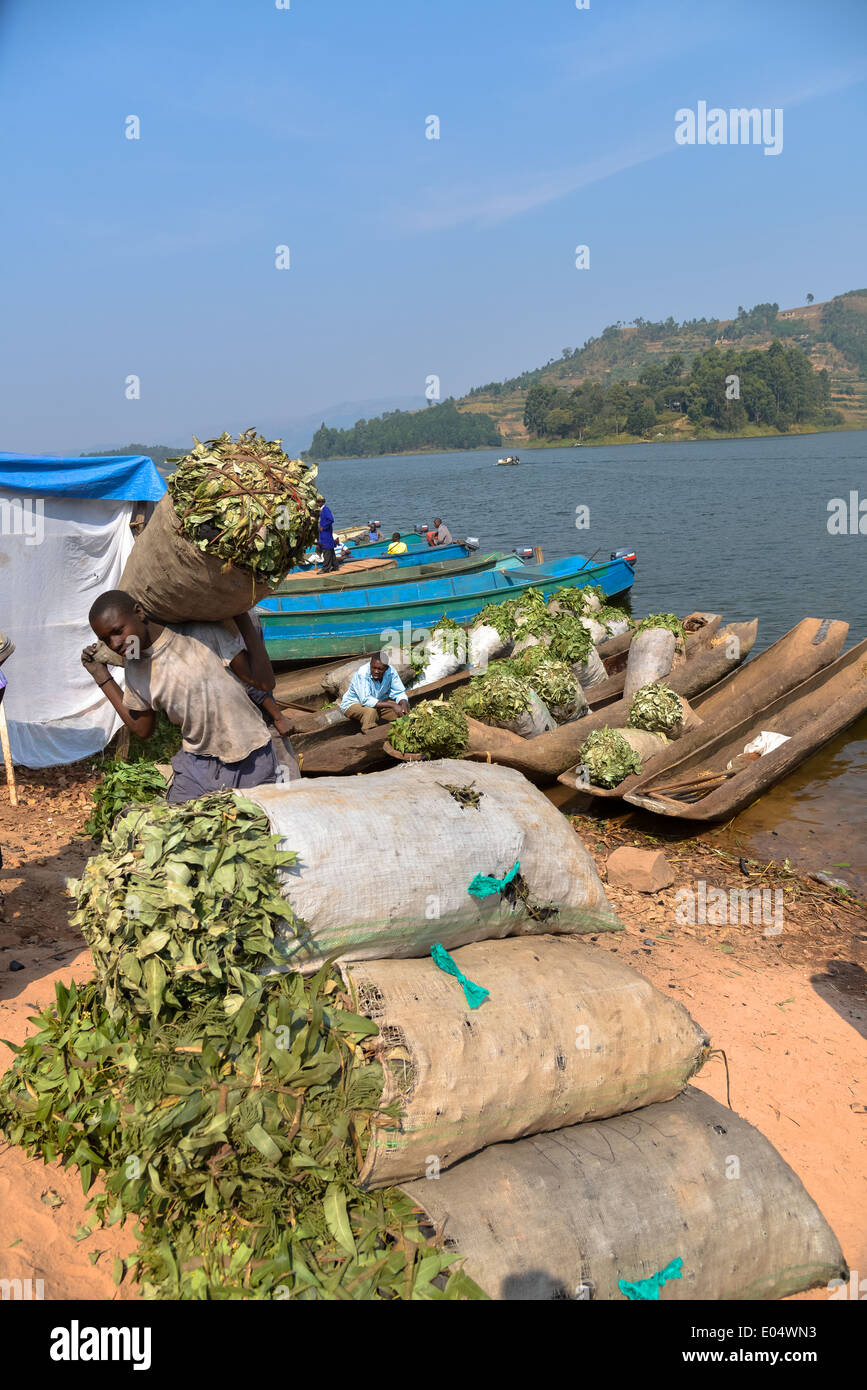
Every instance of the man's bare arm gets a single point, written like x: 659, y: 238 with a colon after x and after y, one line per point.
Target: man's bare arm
x: 140, y: 721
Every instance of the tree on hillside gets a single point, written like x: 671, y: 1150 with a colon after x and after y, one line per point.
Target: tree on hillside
x: 809, y: 299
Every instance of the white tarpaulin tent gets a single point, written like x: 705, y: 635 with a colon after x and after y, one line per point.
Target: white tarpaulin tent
x: 64, y: 539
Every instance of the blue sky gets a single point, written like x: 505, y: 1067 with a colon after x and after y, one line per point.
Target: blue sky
x: 306, y: 127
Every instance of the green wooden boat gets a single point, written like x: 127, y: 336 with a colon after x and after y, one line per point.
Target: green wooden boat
x: 392, y: 574
x: 304, y: 627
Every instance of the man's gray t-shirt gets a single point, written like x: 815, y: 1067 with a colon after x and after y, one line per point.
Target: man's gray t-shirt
x: 443, y: 534
x: 185, y: 674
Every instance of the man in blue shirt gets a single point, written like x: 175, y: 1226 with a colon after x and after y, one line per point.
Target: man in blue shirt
x: 326, y: 538
x: 373, y: 531
x: 376, y: 694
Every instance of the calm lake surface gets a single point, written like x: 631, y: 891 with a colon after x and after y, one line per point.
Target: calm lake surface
x: 738, y: 527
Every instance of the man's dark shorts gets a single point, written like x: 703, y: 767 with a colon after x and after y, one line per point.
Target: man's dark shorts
x: 199, y: 776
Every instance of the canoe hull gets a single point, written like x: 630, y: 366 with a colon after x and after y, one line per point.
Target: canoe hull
x: 806, y: 649
x: 811, y: 714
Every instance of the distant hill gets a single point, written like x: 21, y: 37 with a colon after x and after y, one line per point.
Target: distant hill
x: 158, y: 452
x: 401, y: 431
x: 833, y: 335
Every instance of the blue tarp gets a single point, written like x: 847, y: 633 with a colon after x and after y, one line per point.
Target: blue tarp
x: 126, y: 477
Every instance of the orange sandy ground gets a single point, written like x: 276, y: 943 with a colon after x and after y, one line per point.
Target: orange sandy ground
x: 790, y: 1011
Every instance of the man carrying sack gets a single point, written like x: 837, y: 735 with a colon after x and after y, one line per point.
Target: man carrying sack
x: 376, y: 694
x: 182, y: 670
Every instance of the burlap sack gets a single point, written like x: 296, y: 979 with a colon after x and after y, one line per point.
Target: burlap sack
x: 651, y: 654
x: 570, y: 1214
x: 568, y: 1033
x: 385, y: 862
x: 175, y: 582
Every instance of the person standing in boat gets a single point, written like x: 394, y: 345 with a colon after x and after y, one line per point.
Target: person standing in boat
x: 326, y: 538
x: 376, y: 694
x: 397, y: 547
x: 440, y: 535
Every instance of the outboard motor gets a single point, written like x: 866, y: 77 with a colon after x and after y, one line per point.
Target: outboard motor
x: 624, y: 554
x: 422, y: 529
x: 471, y: 542
x: 525, y: 552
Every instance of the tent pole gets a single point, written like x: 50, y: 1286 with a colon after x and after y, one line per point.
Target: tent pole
x: 7, y: 757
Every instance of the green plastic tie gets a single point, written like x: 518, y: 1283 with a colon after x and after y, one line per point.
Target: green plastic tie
x: 483, y: 886
x: 474, y: 994
x: 648, y: 1289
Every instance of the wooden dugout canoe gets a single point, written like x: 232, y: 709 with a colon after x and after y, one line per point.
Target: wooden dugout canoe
x: 544, y: 757
x: 807, y: 648
x: 811, y: 714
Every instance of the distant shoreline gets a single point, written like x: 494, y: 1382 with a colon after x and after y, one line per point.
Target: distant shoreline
x: 609, y: 441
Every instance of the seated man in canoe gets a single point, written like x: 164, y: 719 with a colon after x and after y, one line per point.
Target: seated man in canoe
x: 188, y: 670
x: 376, y: 694
x: 397, y: 547
x: 440, y: 535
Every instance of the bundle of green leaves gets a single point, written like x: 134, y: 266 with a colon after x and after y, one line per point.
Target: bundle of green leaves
x: 609, y: 613
x: 134, y: 778
x: 498, y: 696
x: 607, y: 758
x: 434, y: 728
x: 244, y: 501
x: 666, y: 620
x: 570, y: 642
x: 500, y: 616
x: 655, y: 707
x: 551, y: 679
x: 576, y: 598
x: 123, y: 784
x: 226, y: 1109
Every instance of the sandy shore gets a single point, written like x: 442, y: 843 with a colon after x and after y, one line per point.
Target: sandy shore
x: 789, y: 1010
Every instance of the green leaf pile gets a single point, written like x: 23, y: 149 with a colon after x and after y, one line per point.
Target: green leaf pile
x: 552, y: 680
x: 500, y: 616
x: 576, y: 598
x: 244, y: 501
x: 607, y: 758
x: 666, y: 620
x: 655, y: 707
x: 226, y: 1110
x: 122, y: 784
x: 434, y: 728
x: 498, y: 696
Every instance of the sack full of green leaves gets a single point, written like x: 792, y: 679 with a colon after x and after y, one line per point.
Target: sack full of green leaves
x: 506, y: 701
x: 238, y: 515
x: 652, y: 651
x: 609, y: 756
x: 659, y: 709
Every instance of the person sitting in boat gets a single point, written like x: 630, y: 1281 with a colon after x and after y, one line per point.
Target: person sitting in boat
x: 182, y: 670
x: 397, y: 547
x: 373, y: 531
x: 440, y: 535
x: 376, y: 694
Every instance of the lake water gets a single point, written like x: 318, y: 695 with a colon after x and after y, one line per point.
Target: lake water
x: 738, y: 527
